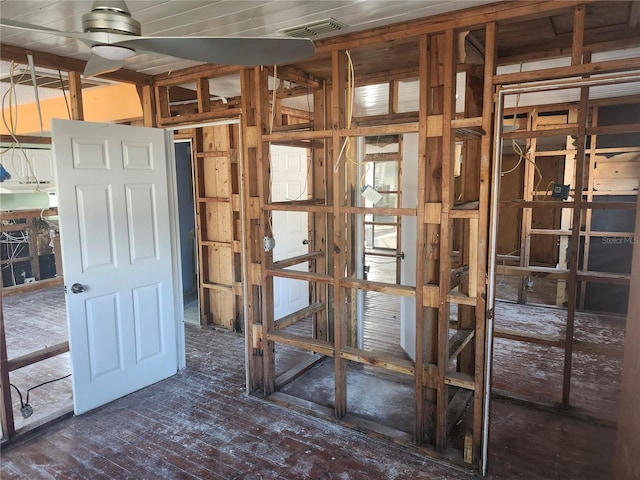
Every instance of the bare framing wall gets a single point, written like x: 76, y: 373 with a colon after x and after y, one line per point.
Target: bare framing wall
x: 453, y: 215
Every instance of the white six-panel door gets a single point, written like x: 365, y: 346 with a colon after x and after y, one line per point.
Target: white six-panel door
x: 117, y: 254
x: 290, y: 229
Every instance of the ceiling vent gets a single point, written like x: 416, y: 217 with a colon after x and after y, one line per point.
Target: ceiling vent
x: 309, y: 30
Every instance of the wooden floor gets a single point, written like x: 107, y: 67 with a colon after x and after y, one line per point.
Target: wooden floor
x: 200, y: 424
x: 34, y: 321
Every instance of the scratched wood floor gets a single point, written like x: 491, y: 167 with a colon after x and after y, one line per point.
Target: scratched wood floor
x: 200, y: 424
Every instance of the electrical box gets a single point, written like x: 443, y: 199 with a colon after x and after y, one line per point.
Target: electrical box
x: 371, y: 194
x: 560, y: 191
x: 269, y: 244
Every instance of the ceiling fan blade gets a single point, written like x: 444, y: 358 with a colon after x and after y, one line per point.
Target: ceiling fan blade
x: 98, y: 65
x: 244, y: 51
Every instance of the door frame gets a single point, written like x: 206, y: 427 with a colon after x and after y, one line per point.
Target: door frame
x: 176, y: 257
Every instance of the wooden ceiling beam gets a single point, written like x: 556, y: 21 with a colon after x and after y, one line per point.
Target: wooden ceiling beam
x: 191, y: 74
x: 474, y: 17
x: 595, y: 40
x: 565, y: 51
x: 296, y: 75
x: 56, y: 62
x: 32, y: 139
x: 610, y: 66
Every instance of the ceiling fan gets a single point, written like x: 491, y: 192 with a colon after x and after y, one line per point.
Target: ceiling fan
x: 114, y: 36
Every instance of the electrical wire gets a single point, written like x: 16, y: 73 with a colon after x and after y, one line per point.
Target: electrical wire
x: 346, y: 145
x: 546, y: 192
x: 271, y: 120
x: 27, y: 410
x: 12, y: 125
x: 518, y: 149
x: 64, y: 94
x: 45, y: 383
x: 14, y: 244
x: 19, y: 395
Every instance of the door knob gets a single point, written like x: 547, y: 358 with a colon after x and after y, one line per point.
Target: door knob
x: 77, y: 288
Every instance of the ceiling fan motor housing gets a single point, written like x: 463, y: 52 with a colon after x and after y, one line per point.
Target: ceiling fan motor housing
x: 110, y: 16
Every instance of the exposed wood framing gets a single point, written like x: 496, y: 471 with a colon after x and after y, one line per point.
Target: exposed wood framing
x: 338, y: 119
x: 579, y: 168
x: 214, y: 184
x: 232, y: 177
x: 75, y: 90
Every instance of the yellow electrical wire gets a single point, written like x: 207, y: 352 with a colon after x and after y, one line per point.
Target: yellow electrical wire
x: 346, y: 146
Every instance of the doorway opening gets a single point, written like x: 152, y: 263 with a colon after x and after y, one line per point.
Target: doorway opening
x: 187, y: 226
x: 565, y: 208
x: 382, y: 159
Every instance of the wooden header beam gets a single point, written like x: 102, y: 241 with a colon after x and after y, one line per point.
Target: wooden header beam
x: 463, y: 19
x: 56, y: 62
x: 26, y: 139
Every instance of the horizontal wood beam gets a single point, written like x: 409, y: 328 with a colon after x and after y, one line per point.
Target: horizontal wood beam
x: 403, y: 212
x: 563, y: 132
x: 23, y: 139
x: 293, y: 126
x: 295, y: 317
x: 463, y: 19
x: 298, y: 207
x: 610, y: 37
x: 411, y: 127
x: 560, y: 204
x: 56, y: 62
x: 37, y: 356
x: 371, y: 286
x: 191, y: 74
x: 296, y: 275
x: 311, y: 344
x: 462, y: 380
x: 289, y: 262
x: 386, y: 119
x: 305, y: 135
x: 192, y: 118
x: 609, y: 66
x: 295, y: 75
x: 35, y: 213
x: 563, y: 274
x: 558, y: 342
x: 379, y: 359
x: 553, y: 407
x: 33, y: 286
x: 546, y: 272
